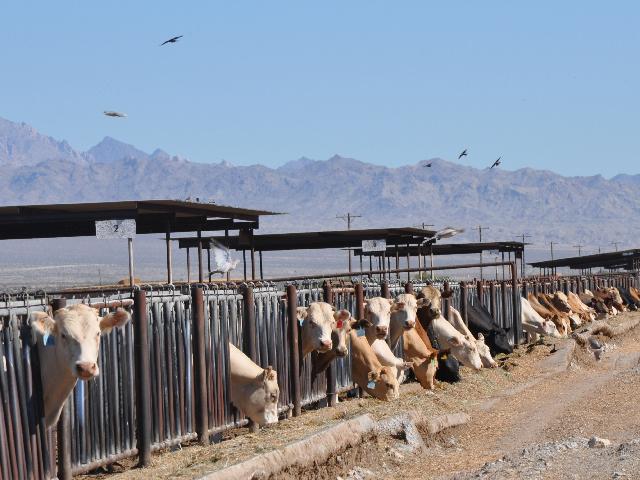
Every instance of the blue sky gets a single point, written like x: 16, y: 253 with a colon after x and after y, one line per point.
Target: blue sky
x: 544, y: 84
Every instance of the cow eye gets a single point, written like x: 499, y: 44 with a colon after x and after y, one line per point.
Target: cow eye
x: 64, y: 336
x: 98, y: 334
x: 274, y: 397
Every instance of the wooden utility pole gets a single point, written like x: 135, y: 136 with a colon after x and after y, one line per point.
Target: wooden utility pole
x: 523, y: 264
x: 348, y: 218
x: 579, y: 247
x: 480, y: 228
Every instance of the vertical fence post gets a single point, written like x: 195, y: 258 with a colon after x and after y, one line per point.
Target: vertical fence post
x: 64, y: 423
x: 463, y: 302
x: 408, y: 287
x: 565, y: 287
x: 446, y: 302
x: 517, y: 320
x: 503, y: 300
x: 199, y: 365
x: 143, y: 378
x: 492, y: 300
x: 331, y: 373
x: 292, y: 305
x: 479, y: 292
x: 384, y: 289
x: 249, y: 337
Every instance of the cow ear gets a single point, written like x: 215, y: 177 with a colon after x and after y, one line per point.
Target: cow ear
x: 397, y: 306
x: 301, y: 313
x: 391, y: 301
x: 270, y: 374
x: 43, y: 324
x: 455, y: 341
x: 114, y: 319
x: 341, y: 315
x: 423, y: 302
x: 480, y: 336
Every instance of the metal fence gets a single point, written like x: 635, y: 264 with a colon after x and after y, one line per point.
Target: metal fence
x: 171, y: 363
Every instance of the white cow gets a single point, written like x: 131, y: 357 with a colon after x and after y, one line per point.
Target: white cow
x: 403, y: 317
x: 254, y: 390
x: 378, y: 316
x: 316, y: 323
x: 451, y: 339
x: 483, y: 350
x: 534, y: 324
x: 68, y: 344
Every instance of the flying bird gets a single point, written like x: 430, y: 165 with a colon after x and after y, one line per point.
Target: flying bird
x: 172, y: 40
x: 111, y: 113
x: 463, y: 154
x: 222, y: 257
x: 428, y: 164
x: 496, y: 163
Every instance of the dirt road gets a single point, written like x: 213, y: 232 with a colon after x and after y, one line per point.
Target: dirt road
x: 542, y: 431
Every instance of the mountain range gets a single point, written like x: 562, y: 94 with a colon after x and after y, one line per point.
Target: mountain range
x: 590, y: 210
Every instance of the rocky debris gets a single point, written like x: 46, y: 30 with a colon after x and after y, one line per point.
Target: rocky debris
x: 358, y: 473
x: 597, y: 442
x: 570, y: 458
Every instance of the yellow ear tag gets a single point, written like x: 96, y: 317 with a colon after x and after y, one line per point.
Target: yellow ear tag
x: 443, y: 357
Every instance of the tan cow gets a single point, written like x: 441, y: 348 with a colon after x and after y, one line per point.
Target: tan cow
x: 68, y: 344
x: 421, y: 356
x: 561, y: 303
x: 254, y: 390
x: 366, y: 370
x: 316, y: 323
x: 586, y: 313
x: 562, y: 324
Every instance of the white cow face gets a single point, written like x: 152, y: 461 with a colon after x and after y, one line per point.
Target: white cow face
x: 74, y: 333
x: 466, y: 352
x: 317, y: 322
x: 550, y: 329
x: 404, y: 310
x: 262, y: 406
x: 377, y: 313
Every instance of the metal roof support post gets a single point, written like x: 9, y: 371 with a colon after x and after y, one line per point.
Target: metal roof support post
x: 169, y: 264
x: 200, y: 265
x: 130, y: 249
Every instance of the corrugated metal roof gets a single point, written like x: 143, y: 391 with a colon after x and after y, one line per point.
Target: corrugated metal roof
x: 152, y: 216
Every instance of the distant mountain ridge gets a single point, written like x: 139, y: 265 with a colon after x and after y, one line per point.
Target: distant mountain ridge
x: 591, y: 210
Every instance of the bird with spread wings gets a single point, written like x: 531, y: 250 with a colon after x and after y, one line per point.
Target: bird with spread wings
x: 222, y: 258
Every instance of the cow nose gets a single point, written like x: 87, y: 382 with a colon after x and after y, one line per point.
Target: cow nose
x: 326, y: 344
x: 341, y: 351
x: 409, y: 325
x: 381, y: 330
x: 86, y: 369
x: 435, y: 312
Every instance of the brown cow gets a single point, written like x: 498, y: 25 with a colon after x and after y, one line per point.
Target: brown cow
x: 366, y: 370
x: 548, y: 314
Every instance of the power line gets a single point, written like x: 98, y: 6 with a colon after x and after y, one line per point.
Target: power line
x: 579, y: 247
x: 348, y: 218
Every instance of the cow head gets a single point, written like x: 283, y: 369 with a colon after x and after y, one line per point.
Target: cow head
x: 431, y: 298
x: 377, y: 312
x: 550, y: 329
x: 561, y: 302
x: 386, y: 384
x: 262, y: 406
x: 74, y: 333
x: 317, y: 322
x: 403, y: 311
x: 485, y: 354
x: 498, y: 341
x: 465, y: 351
x: 340, y: 332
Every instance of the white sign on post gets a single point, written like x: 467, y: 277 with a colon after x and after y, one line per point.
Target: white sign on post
x: 106, y: 229
x: 374, y: 245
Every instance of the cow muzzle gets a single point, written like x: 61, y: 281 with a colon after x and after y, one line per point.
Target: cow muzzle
x: 87, y: 370
x: 325, y: 345
x: 381, y: 332
x: 341, y: 351
x: 409, y: 325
